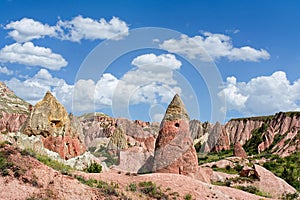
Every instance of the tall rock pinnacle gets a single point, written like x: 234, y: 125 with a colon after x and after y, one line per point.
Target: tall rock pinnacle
x: 174, y: 150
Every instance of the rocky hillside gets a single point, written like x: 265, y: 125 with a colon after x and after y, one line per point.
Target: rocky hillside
x: 279, y: 134
x: 13, y: 110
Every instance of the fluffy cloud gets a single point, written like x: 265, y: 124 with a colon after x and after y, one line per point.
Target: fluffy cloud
x: 151, y: 62
x: 262, y: 95
x: 153, y: 78
x: 86, y: 28
x: 78, y: 28
x: 213, y: 46
x: 31, y: 55
x: 4, y: 70
x: 28, y: 29
x: 33, y: 89
x: 140, y: 85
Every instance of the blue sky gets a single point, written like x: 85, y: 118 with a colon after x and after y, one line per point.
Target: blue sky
x: 225, y: 58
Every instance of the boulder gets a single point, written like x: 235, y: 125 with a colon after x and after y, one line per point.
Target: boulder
x: 272, y: 184
x: 174, y: 149
x: 60, y: 132
x: 134, y: 160
x: 239, y: 151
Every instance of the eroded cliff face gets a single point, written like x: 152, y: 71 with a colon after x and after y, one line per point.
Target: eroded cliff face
x: 62, y: 133
x: 280, y: 133
x: 13, y: 110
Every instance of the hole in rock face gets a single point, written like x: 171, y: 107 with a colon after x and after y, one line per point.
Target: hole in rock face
x: 56, y: 123
x: 177, y: 125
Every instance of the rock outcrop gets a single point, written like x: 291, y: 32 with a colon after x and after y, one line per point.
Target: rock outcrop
x: 239, y: 151
x: 62, y: 133
x: 13, y: 110
x: 118, y: 141
x: 174, y: 150
x: 269, y: 183
x: 279, y: 133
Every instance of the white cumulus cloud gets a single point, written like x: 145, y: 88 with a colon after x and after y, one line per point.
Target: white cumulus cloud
x: 153, y: 78
x: 26, y: 29
x: 262, y: 95
x: 31, y: 55
x: 213, y: 46
x: 75, y: 30
x: 6, y: 71
x: 140, y: 85
x: 86, y: 28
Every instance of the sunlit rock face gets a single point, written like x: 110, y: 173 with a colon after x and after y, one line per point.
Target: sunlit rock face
x: 62, y: 133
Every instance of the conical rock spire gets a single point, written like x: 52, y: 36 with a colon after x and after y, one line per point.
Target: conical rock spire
x: 174, y: 149
x: 176, y: 110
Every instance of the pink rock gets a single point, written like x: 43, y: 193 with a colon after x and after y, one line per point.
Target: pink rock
x: 239, y: 151
x: 174, y: 150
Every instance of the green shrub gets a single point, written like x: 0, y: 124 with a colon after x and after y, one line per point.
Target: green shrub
x: 228, y: 167
x: 94, y: 168
x: 132, y: 187
x: 188, y: 197
x: 239, y: 167
x: 290, y: 196
x: 251, y: 146
x: 107, y: 189
x: 253, y: 190
x: 64, y: 169
x: 150, y: 188
x: 286, y: 168
x: 4, y: 165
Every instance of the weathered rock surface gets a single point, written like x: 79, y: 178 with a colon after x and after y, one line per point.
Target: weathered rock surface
x: 132, y: 141
x: 13, y: 110
x: 135, y: 160
x: 272, y: 184
x: 118, y: 141
x: 238, y: 151
x: 281, y: 133
x: 61, y: 133
x: 37, y: 181
x: 174, y: 150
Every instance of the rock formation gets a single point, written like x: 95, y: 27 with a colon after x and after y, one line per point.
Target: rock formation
x: 279, y: 133
x: 239, y: 151
x: 13, y: 110
x: 61, y: 133
x: 174, y: 150
x: 118, y: 141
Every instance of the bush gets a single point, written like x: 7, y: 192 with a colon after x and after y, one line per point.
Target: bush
x: 64, y: 169
x: 290, y: 196
x: 249, y: 188
x: 286, y: 168
x: 94, y: 168
x: 239, y: 167
x: 4, y: 165
x: 150, y: 188
x: 188, y: 197
x: 132, y: 187
x: 227, y: 167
